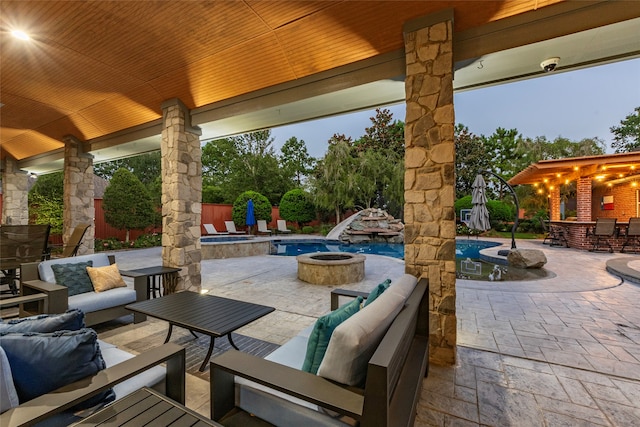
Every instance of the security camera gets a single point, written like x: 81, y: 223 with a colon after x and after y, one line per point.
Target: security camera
x: 550, y: 64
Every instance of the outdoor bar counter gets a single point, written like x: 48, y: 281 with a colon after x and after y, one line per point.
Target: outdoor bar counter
x: 577, y: 237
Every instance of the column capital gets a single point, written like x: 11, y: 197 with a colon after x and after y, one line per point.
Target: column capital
x: 176, y: 102
x: 72, y: 140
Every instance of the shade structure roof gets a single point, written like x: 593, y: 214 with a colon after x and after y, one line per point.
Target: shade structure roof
x: 100, y: 70
x: 602, y: 170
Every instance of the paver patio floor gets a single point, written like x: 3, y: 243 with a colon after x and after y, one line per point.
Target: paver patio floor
x: 560, y: 351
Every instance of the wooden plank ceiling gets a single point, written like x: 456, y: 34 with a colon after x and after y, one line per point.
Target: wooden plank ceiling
x: 94, y: 68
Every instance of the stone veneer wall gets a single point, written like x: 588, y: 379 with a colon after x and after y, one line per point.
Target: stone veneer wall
x: 78, y: 193
x: 15, y: 204
x: 429, y: 176
x: 181, y: 194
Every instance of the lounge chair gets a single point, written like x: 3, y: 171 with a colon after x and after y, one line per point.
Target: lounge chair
x: 211, y: 230
x: 282, y: 226
x: 605, y: 228
x: 632, y: 234
x: 72, y: 246
x: 262, y: 227
x: 231, y: 228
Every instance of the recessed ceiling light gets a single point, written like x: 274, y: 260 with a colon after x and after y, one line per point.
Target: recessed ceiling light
x: 19, y: 34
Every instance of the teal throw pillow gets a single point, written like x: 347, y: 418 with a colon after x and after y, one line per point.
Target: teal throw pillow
x: 72, y: 320
x: 41, y: 363
x: 377, y: 291
x: 321, y: 334
x: 74, y: 277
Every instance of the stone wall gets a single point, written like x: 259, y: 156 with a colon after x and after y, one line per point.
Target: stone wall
x: 78, y: 193
x: 15, y: 204
x: 373, y: 225
x: 181, y: 194
x: 429, y: 177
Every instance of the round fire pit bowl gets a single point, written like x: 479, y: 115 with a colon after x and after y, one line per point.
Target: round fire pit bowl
x: 331, y: 268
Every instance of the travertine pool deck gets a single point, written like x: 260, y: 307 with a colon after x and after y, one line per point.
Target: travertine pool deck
x: 560, y: 351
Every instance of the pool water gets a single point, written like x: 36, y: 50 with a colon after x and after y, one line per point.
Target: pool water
x: 471, y: 248
x: 464, y: 249
x: 298, y: 247
x: 468, y: 263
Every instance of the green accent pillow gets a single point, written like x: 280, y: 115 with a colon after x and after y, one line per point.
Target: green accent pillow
x: 377, y: 291
x: 74, y: 277
x: 321, y: 334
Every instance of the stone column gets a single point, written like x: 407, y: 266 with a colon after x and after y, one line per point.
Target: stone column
x: 584, y: 199
x: 429, y: 176
x: 554, y: 203
x: 15, y: 203
x: 78, y: 194
x: 181, y: 194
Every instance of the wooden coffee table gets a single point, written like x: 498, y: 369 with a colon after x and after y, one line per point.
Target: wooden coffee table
x: 207, y: 314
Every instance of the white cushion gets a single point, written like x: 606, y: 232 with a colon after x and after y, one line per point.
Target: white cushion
x: 148, y: 378
x: 8, y: 394
x: 355, y: 340
x: 46, y: 273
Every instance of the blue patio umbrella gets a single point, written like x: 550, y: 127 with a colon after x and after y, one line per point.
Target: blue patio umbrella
x: 251, y: 217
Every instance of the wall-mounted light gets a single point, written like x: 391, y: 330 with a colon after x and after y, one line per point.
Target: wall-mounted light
x: 21, y: 35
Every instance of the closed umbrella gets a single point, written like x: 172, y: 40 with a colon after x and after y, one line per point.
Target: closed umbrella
x: 479, y: 214
x: 251, y: 217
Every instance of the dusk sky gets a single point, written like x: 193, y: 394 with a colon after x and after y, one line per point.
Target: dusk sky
x: 575, y: 105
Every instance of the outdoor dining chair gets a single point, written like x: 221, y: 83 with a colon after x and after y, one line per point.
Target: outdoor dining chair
x: 632, y: 234
x: 604, y: 229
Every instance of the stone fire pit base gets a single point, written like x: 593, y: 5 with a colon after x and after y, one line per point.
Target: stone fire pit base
x: 331, y: 268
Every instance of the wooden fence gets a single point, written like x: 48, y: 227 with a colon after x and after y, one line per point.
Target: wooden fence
x: 212, y: 213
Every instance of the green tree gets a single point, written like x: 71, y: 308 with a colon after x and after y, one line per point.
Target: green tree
x: 334, y: 180
x: 50, y: 186
x: 470, y: 158
x: 626, y: 137
x: 383, y: 135
x: 501, y: 147
x: 261, y: 207
x: 45, y: 210
x: 296, y: 206
x: 295, y: 159
x: 126, y: 203
x: 146, y: 167
x: 46, y: 201
x: 246, y: 161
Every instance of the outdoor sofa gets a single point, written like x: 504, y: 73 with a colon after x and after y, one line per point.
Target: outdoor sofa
x: 54, y: 370
x: 72, y: 292
x: 371, y: 372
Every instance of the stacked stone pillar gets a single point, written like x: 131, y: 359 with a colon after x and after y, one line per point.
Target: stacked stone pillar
x: 78, y: 194
x: 15, y: 203
x: 584, y: 199
x: 181, y: 194
x: 430, y: 229
x: 554, y: 204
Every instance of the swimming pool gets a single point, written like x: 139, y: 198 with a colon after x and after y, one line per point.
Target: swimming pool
x: 294, y: 247
x: 464, y: 249
x: 471, y: 248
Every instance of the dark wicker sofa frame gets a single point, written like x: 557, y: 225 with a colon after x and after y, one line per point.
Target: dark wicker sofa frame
x: 394, y: 375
